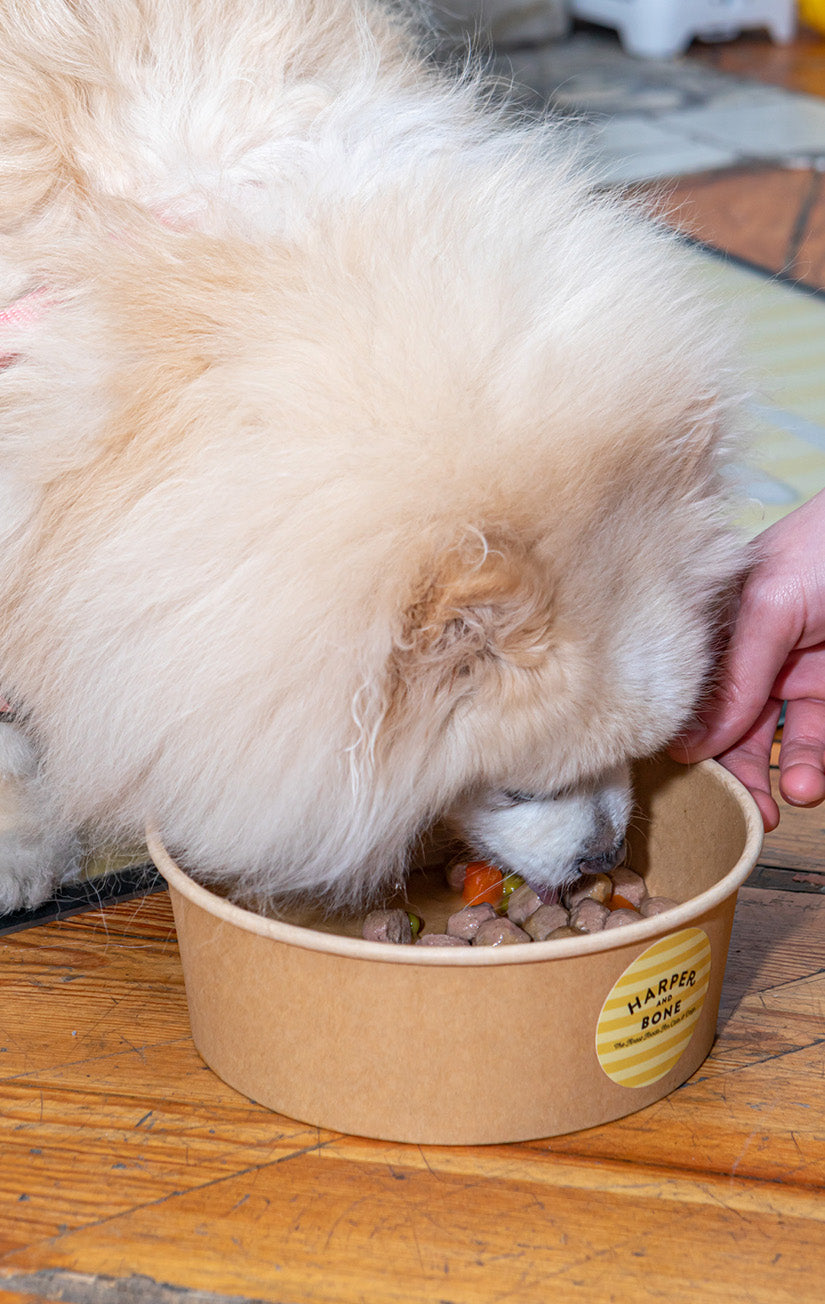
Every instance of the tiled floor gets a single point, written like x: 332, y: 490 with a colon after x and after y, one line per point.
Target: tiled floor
x: 740, y: 160
x: 646, y: 119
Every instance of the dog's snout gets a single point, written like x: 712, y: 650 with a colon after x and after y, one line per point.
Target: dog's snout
x: 600, y: 859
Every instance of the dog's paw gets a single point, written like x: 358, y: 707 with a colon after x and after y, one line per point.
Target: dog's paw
x: 36, y: 856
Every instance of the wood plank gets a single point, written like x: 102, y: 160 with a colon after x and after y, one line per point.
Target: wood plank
x: 467, y: 1227
x: 27, y: 1297
x: 125, y: 1161
x: 798, y: 843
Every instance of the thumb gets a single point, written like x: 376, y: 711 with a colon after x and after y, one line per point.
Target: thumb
x: 755, y: 657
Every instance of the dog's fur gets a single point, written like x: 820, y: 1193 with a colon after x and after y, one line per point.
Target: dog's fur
x: 358, y: 466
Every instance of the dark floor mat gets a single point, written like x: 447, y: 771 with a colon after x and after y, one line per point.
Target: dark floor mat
x: 108, y: 890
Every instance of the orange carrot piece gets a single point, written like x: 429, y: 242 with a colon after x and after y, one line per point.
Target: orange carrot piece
x: 483, y: 882
x: 618, y: 902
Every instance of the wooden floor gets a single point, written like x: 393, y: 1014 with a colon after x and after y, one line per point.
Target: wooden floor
x: 128, y: 1172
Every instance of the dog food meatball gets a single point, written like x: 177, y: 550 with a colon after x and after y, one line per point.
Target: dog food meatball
x: 523, y: 903
x: 455, y: 872
x: 628, y: 885
x: 617, y: 918
x: 589, y: 916
x: 594, y: 887
x: 656, y: 906
x: 544, y: 921
x: 500, y: 932
x: 466, y: 923
x: 388, y: 926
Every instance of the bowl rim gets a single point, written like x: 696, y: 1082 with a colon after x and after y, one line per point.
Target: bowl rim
x: 309, y: 939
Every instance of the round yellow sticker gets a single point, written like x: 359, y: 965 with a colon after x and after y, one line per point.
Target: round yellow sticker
x: 651, y: 1011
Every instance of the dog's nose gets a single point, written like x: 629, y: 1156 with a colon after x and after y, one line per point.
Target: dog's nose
x: 600, y: 859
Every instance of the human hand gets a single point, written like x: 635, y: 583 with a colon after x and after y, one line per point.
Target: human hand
x: 776, y: 654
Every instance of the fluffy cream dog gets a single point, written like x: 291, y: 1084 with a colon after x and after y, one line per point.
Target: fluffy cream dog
x: 358, y: 466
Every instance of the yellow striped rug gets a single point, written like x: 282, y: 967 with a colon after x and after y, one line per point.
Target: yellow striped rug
x: 783, y: 343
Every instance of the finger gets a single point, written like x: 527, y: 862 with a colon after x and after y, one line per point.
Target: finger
x: 750, y: 762
x: 802, y: 754
x: 758, y: 651
x: 802, y: 675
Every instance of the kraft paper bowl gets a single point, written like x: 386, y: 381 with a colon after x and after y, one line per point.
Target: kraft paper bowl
x: 473, y: 1046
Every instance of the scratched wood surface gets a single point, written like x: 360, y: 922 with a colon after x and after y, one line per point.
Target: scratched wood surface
x: 128, y: 1171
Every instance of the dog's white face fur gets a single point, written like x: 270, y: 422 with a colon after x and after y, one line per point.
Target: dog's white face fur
x: 358, y: 467
x: 549, y: 838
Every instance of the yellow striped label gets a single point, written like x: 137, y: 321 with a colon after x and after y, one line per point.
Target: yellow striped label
x: 651, y: 1010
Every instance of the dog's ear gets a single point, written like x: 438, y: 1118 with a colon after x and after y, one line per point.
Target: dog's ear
x: 493, y: 605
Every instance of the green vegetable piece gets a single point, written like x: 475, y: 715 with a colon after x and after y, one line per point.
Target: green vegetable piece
x: 511, y: 882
